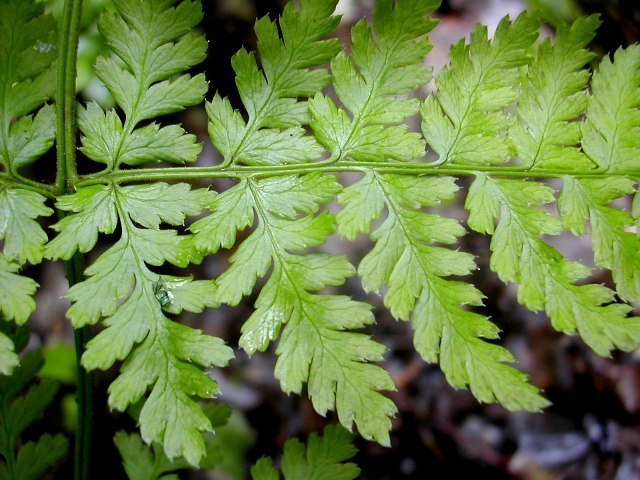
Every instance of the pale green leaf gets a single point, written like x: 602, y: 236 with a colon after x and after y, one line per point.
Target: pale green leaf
x: 547, y: 280
x: 313, y: 349
x: 553, y: 97
x: 16, y: 293
x: 144, y: 462
x: 93, y: 212
x: 405, y: 259
x: 23, y: 236
x: 386, y: 64
x: 102, y: 141
x: 612, y: 126
x: 614, y: 247
x: 159, y: 355
x: 27, y: 80
x: 272, y: 133
x: 30, y: 137
x: 464, y: 122
x: 153, y: 43
x: 8, y: 357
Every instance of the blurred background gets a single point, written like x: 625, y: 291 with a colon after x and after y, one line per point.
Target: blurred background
x: 592, y: 431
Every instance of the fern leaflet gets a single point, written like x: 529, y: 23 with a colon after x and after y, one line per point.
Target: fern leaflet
x: 273, y: 133
x: 323, y: 457
x: 153, y: 43
x: 26, y: 81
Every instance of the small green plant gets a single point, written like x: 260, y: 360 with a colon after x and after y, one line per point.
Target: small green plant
x: 509, y: 112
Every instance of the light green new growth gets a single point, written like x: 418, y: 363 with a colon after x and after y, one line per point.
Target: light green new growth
x: 18, y: 411
x: 27, y: 76
x: 323, y: 457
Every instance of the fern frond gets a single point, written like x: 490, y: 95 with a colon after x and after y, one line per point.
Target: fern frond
x: 154, y: 43
x: 23, y: 236
x: 17, y: 304
x: 405, y: 259
x: 547, y: 280
x: 612, y: 142
x: 386, y: 64
x: 323, y: 457
x: 464, y: 121
x: 552, y: 98
x: 313, y: 347
x: 27, y: 80
x: 160, y: 355
x: 272, y: 133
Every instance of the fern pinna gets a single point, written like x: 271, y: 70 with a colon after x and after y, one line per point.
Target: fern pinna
x: 508, y: 111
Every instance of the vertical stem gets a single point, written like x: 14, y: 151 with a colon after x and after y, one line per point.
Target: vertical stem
x: 66, y: 94
x: 65, y: 172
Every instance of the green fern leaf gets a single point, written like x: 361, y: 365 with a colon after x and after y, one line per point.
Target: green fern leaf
x: 16, y: 293
x: 386, y: 64
x: 405, y: 259
x: 313, y: 347
x: 613, y: 120
x: 611, y: 141
x: 161, y: 355
x: 552, y: 98
x: 464, y: 121
x: 323, y: 457
x: 17, y: 304
x: 547, y: 280
x: 27, y: 51
x: 8, y: 357
x: 153, y: 44
x: 23, y: 236
x: 273, y: 134
x: 27, y: 79
x: 614, y: 247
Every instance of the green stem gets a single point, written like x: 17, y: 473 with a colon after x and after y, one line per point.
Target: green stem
x: 65, y: 176
x: 186, y: 173
x: 26, y: 184
x: 66, y: 95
